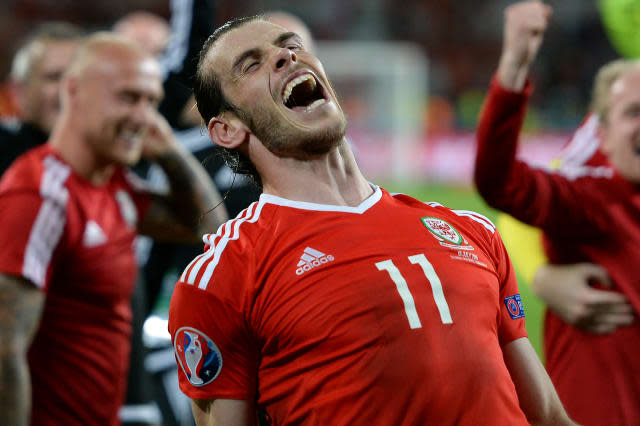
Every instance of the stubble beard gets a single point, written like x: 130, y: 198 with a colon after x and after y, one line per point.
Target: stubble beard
x: 286, y: 141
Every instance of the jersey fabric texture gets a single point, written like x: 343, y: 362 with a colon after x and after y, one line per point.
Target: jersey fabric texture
x: 524, y: 242
x: 588, y: 214
x: 392, y: 312
x: 75, y: 242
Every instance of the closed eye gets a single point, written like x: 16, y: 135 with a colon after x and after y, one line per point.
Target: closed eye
x: 251, y: 66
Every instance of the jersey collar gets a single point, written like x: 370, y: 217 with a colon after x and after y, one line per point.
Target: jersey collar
x: 304, y: 205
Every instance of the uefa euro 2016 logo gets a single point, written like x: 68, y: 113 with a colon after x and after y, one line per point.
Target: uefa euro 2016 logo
x: 198, y: 356
x: 514, y: 306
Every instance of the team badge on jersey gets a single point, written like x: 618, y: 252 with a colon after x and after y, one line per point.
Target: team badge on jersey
x: 198, y: 356
x: 446, y: 234
x: 514, y: 306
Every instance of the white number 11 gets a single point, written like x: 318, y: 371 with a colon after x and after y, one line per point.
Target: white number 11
x: 405, y: 294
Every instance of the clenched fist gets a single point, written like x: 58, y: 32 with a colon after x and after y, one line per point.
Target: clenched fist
x: 524, y: 26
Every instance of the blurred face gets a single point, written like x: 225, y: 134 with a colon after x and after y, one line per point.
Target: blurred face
x: 279, y: 89
x: 293, y: 24
x: 152, y: 34
x: 39, y: 95
x: 620, y: 132
x: 116, y: 99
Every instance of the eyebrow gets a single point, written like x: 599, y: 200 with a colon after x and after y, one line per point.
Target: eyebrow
x: 255, y: 51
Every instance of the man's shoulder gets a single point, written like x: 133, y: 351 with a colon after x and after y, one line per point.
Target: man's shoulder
x: 39, y: 171
x: 27, y: 170
x: 229, y: 251
x: 435, y: 210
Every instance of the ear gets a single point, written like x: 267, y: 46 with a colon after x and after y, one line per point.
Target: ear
x: 68, y: 88
x: 228, y: 131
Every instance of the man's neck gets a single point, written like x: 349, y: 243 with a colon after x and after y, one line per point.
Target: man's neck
x: 78, y: 154
x: 333, y: 178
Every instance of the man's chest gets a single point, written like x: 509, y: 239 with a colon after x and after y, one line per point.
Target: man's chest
x: 379, y: 281
x: 96, y: 258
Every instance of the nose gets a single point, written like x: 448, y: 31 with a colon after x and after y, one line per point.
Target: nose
x: 283, y: 58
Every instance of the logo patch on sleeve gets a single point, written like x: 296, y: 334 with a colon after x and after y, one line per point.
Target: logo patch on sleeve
x: 514, y: 306
x: 198, y: 356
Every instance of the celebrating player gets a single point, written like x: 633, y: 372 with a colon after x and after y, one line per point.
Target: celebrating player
x: 69, y: 212
x: 330, y: 300
x: 588, y: 214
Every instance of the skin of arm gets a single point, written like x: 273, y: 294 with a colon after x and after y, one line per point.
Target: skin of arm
x: 538, y: 398
x: 223, y: 412
x: 188, y: 211
x: 21, y: 305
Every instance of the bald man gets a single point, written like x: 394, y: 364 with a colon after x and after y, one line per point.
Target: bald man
x: 69, y: 212
x: 148, y: 30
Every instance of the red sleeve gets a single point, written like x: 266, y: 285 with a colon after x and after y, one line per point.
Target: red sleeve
x: 546, y: 200
x: 211, y: 323
x: 31, y: 228
x: 511, y: 324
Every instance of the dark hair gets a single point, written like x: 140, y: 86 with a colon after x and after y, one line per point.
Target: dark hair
x: 211, y: 101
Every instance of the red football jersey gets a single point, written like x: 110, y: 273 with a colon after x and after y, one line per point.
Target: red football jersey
x: 582, y: 149
x: 74, y: 241
x: 588, y: 213
x: 392, y: 312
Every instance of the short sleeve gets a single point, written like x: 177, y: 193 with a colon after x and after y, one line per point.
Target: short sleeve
x: 216, y: 356
x: 31, y: 229
x: 511, y: 323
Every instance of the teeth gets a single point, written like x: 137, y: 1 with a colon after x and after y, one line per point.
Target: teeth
x: 293, y: 83
x: 315, y: 104
x: 129, y: 134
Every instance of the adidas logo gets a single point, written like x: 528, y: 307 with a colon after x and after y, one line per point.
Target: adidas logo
x: 310, y: 259
x: 93, y: 235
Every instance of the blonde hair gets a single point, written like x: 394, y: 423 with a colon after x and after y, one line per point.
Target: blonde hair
x: 606, y: 77
x: 33, y: 47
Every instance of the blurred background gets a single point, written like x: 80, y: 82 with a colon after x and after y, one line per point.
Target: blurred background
x: 411, y: 77
x: 459, y: 42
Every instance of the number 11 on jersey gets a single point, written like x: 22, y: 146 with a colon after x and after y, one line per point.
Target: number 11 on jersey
x: 405, y: 294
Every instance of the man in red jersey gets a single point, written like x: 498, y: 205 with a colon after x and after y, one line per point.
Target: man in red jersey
x: 588, y: 214
x: 330, y: 300
x: 69, y: 212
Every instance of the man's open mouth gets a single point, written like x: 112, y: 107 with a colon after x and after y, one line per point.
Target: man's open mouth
x: 303, y: 93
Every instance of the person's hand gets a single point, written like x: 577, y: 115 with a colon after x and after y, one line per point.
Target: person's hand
x: 524, y: 26
x: 159, y: 138
x: 567, y: 291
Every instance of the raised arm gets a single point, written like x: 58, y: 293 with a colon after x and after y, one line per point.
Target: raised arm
x: 525, y: 24
x: 547, y: 200
x: 21, y: 306
x: 498, y: 174
x: 193, y: 206
x: 537, y: 396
